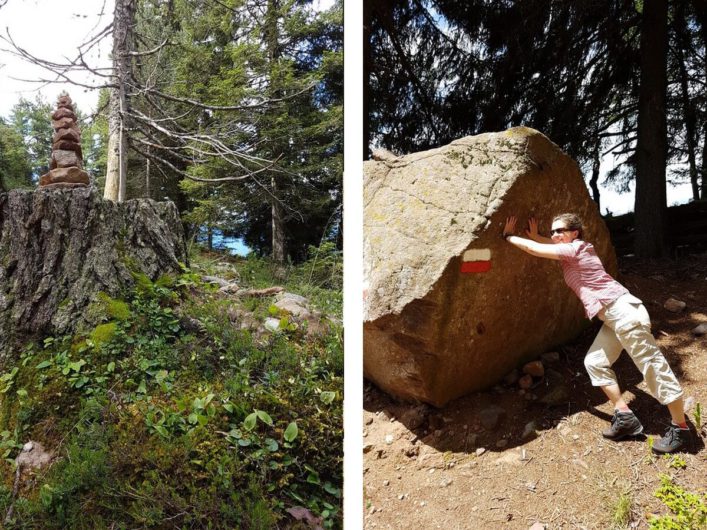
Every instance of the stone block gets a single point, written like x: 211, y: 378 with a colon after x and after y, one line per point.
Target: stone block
x: 452, y: 307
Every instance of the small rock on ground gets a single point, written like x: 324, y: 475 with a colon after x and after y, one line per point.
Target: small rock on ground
x: 525, y: 382
x: 550, y: 357
x: 414, y: 418
x: 700, y: 330
x: 673, y: 305
x: 411, y: 451
x: 272, y: 324
x: 534, y: 368
x: 491, y: 416
x: 34, y: 456
x: 529, y: 430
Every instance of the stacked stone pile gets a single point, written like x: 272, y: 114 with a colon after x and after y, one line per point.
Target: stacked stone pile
x: 66, y: 165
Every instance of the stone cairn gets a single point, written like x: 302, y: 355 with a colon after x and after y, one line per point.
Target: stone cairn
x: 66, y: 165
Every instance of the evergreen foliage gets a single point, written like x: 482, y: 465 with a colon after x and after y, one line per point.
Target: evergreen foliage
x: 572, y: 70
x: 233, y: 110
x: 281, y: 64
x: 15, y: 170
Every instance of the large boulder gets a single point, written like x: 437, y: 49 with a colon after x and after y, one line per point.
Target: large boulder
x: 60, y: 248
x: 450, y: 306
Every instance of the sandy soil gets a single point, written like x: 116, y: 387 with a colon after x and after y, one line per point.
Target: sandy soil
x: 545, y: 463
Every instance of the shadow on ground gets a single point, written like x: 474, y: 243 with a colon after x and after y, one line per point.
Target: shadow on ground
x: 504, y: 417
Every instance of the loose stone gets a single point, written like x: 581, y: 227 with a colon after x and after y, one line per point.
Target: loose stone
x: 534, y: 368
x: 525, y: 382
x: 674, y: 305
x: 550, y: 357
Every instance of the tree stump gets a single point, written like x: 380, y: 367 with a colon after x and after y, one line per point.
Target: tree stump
x: 60, y: 247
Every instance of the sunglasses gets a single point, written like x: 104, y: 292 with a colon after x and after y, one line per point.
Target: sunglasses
x: 559, y: 231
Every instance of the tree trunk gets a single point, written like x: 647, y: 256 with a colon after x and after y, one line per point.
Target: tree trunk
x: 116, y: 171
x: 278, y: 232
x: 651, y: 146
x: 683, y: 42
x: 147, y: 177
x: 273, y: 45
x: 703, y: 176
x: 596, y: 165
x: 701, y: 12
x: 60, y: 248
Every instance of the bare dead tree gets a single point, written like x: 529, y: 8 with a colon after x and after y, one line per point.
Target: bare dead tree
x: 157, y: 136
x: 148, y: 117
x: 117, y: 159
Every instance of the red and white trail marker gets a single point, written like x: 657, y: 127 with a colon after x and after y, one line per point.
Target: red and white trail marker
x: 476, y: 260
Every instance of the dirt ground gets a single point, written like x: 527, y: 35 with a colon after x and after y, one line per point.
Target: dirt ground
x: 545, y: 463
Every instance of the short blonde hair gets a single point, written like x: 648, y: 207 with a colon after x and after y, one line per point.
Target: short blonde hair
x: 571, y: 221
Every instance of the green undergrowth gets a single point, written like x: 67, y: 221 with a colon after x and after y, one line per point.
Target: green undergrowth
x: 319, y: 279
x: 688, y: 511
x: 169, y: 415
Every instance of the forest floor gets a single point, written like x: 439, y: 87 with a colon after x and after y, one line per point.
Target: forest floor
x: 547, y: 465
x: 200, y: 400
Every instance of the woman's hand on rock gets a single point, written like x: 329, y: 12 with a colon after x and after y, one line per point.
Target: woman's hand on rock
x: 532, y: 229
x: 510, y: 226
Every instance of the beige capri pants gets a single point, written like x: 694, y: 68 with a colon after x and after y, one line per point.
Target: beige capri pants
x: 628, y: 326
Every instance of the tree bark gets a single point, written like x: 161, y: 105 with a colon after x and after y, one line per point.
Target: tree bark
x: 683, y: 42
x: 703, y: 176
x: 278, y: 232
x: 116, y: 171
x: 651, y: 147
x: 701, y: 12
x: 60, y: 248
x: 273, y: 45
x: 596, y: 165
x: 147, y: 177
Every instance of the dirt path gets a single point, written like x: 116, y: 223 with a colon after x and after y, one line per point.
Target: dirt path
x: 544, y: 462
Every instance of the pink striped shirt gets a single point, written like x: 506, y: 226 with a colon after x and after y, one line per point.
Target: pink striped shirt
x: 585, y: 275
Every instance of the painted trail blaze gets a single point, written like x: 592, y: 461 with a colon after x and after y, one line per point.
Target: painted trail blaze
x: 476, y: 260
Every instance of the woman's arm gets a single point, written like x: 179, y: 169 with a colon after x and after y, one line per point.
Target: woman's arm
x: 534, y: 248
x: 533, y: 234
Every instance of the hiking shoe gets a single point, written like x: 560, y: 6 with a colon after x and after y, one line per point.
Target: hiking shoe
x: 623, y: 424
x: 675, y: 439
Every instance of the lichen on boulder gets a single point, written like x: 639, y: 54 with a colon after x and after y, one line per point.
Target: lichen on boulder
x: 450, y: 306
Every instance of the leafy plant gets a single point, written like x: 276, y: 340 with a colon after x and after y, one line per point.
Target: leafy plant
x: 698, y: 416
x: 8, y: 380
x: 209, y: 420
x: 8, y: 444
x: 676, y: 461
x: 621, y: 515
x: 689, y: 510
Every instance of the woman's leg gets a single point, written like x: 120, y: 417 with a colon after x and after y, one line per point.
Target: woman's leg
x: 677, y: 411
x: 602, y: 354
x: 613, y: 392
x: 634, y: 334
